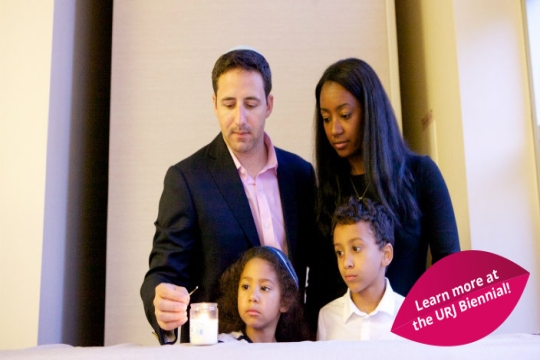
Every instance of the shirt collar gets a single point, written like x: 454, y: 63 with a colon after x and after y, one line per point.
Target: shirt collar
x: 386, y: 304
x: 271, y: 161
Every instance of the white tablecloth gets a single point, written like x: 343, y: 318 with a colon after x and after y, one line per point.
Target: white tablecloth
x: 509, y: 346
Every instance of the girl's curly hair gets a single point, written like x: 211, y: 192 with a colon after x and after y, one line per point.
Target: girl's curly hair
x: 291, y: 325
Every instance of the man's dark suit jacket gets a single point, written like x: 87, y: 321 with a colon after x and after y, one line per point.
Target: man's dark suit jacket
x: 205, y: 223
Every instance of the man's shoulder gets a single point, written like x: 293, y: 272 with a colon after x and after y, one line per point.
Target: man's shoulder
x: 200, y: 156
x: 194, y: 158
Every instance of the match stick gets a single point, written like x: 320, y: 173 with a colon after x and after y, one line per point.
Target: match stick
x: 192, y: 291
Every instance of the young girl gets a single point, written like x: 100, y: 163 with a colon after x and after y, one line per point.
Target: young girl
x: 260, y: 301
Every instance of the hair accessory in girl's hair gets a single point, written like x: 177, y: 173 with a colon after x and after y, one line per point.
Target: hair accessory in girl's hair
x: 285, y: 262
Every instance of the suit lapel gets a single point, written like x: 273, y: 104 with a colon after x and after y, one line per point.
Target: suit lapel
x: 227, y: 180
x: 289, y: 205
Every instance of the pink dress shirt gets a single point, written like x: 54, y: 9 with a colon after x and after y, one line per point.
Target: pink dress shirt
x: 264, y: 200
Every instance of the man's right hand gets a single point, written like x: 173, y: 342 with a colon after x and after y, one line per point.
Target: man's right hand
x: 171, y: 304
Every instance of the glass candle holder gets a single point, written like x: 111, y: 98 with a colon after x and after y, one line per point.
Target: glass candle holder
x: 203, y: 324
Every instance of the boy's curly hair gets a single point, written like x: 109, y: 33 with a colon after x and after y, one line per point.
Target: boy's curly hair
x: 291, y: 325
x: 380, y: 221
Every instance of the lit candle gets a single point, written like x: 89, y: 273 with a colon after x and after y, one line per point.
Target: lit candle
x: 203, y: 328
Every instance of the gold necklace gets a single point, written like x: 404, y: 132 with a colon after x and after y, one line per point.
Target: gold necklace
x: 356, y: 192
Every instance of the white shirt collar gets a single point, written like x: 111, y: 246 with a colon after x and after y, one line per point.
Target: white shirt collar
x: 386, y: 304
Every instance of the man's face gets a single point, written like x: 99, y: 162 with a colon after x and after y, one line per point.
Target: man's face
x: 241, y: 107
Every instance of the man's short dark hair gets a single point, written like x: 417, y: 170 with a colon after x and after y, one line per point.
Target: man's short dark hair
x: 247, y: 60
x: 380, y: 222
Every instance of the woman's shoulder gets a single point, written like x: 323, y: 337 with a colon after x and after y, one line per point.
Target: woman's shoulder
x: 420, y: 162
x: 422, y: 167
x: 427, y: 176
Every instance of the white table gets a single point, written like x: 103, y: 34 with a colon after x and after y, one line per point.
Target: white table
x: 508, y: 346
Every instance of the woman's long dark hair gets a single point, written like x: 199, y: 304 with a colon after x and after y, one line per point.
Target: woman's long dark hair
x: 291, y: 325
x: 383, y: 149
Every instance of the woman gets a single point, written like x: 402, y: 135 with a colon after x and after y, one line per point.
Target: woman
x: 360, y: 152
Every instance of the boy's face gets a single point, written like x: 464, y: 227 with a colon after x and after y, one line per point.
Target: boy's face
x: 361, y: 263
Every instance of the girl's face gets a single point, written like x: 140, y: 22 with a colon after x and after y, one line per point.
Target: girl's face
x: 259, y: 297
x: 341, y: 114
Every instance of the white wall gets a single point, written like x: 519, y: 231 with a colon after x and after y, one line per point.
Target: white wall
x: 25, y: 45
x: 532, y: 14
x: 499, y: 149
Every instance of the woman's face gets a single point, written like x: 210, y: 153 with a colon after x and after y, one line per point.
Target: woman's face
x: 341, y: 114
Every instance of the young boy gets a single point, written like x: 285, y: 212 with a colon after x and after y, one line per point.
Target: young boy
x: 363, y: 241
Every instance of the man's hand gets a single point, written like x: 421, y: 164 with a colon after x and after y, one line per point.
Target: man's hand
x: 171, y: 304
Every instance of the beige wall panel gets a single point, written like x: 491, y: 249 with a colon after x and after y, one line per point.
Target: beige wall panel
x: 161, y: 111
x: 467, y: 80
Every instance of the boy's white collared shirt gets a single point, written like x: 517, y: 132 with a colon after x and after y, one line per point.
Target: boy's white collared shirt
x: 342, y: 320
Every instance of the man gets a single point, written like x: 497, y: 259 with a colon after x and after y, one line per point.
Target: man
x: 235, y: 193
